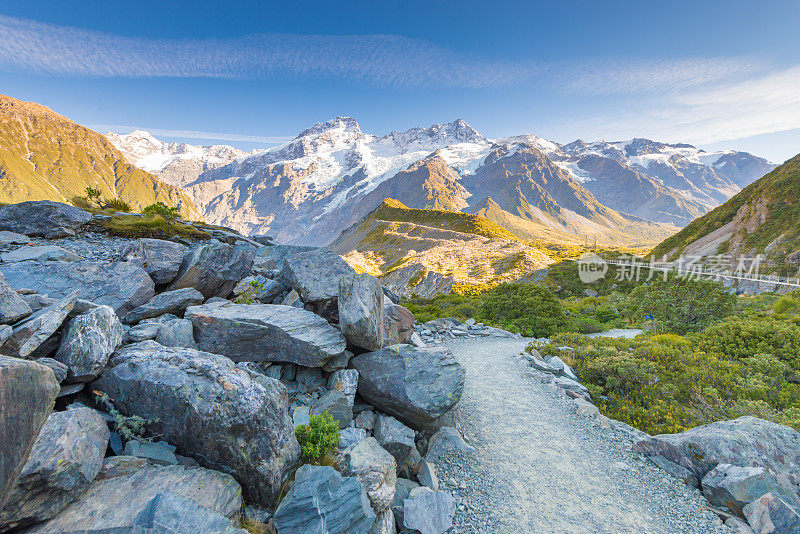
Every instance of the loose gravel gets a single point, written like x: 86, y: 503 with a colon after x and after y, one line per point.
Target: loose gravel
x: 540, y: 467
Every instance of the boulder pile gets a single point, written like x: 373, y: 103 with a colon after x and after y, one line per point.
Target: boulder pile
x: 155, y: 385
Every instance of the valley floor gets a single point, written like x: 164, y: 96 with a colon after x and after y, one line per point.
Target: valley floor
x: 540, y: 467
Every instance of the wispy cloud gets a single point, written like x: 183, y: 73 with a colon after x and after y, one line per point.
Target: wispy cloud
x: 765, y: 103
x: 37, y: 47
x: 390, y: 60
x: 611, y: 77
x: 192, y: 134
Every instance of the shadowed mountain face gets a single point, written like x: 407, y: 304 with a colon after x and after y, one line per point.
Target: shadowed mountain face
x: 332, y: 175
x: 44, y: 156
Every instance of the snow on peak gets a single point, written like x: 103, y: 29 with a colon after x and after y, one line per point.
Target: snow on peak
x: 341, y: 124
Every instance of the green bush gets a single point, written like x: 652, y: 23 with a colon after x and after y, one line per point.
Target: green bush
x: 117, y: 205
x: 585, y: 325
x: 526, y: 308
x: 738, y: 338
x: 159, y: 208
x: 319, y: 439
x: 682, y: 304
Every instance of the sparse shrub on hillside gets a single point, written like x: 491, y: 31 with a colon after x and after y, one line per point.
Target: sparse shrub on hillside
x: 526, y: 308
x: 159, y: 208
x: 117, y: 205
x: 319, y: 439
x: 682, y: 304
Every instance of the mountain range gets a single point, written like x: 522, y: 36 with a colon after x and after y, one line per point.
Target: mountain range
x: 332, y: 175
x: 45, y: 156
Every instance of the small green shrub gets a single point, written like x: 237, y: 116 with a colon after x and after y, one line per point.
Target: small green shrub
x: 526, y: 308
x: 92, y: 194
x: 319, y: 439
x: 250, y: 294
x: 682, y: 304
x: 159, y: 208
x: 128, y: 427
x: 738, y: 338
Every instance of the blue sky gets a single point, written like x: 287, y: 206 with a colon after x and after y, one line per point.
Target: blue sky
x: 717, y: 74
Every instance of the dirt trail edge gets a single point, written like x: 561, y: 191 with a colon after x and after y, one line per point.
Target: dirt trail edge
x: 540, y: 467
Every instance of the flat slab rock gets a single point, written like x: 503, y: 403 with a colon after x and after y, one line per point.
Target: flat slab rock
x: 265, y: 332
x: 315, y: 274
x: 121, y: 285
x: 117, y: 502
x: 42, y: 217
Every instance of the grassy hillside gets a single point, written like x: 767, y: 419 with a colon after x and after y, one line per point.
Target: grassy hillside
x: 763, y: 212
x: 44, y: 156
x: 393, y: 210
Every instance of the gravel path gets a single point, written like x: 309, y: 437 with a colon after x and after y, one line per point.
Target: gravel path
x: 540, y: 467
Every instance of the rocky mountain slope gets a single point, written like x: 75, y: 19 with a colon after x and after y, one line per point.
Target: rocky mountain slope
x: 426, y: 252
x: 761, y: 219
x: 44, y: 156
x: 333, y: 174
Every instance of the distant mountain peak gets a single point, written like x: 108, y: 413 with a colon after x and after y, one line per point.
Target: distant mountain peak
x: 345, y: 124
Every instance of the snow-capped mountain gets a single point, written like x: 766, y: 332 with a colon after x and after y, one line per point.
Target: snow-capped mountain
x: 333, y: 174
x: 176, y: 163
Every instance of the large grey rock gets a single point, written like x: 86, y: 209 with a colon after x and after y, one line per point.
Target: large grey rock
x: 161, y: 259
x: 28, y: 335
x: 42, y: 217
x: 772, y: 515
x: 38, y: 302
x: 12, y: 306
x: 746, y: 441
x: 429, y: 512
x: 59, y: 369
x: 445, y: 440
x: 321, y: 500
x: 121, y: 285
x: 360, y: 304
x: 344, y: 381
x: 89, y: 341
x: 737, y: 526
x: 27, y: 393
x: 117, y: 501
x: 374, y: 467
x: 416, y: 385
x: 172, y: 513
x: 315, y: 274
x: 178, y: 333
x: 225, y: 417
x: 265, y: 332
x: 275, y: 256
x: 734, y: 487
x: 214, y: 268
x: 64, y: 460
x: 349, y: 436
x: 5, y: 333
x: 173, y: 302
x: 398, y: 323
x: 40, y: 253
x: 402, y: 489
x: 336, y: 404
x: 398, y: 440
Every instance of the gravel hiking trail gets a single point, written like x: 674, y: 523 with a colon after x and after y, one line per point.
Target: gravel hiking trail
x: 540, y: 467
